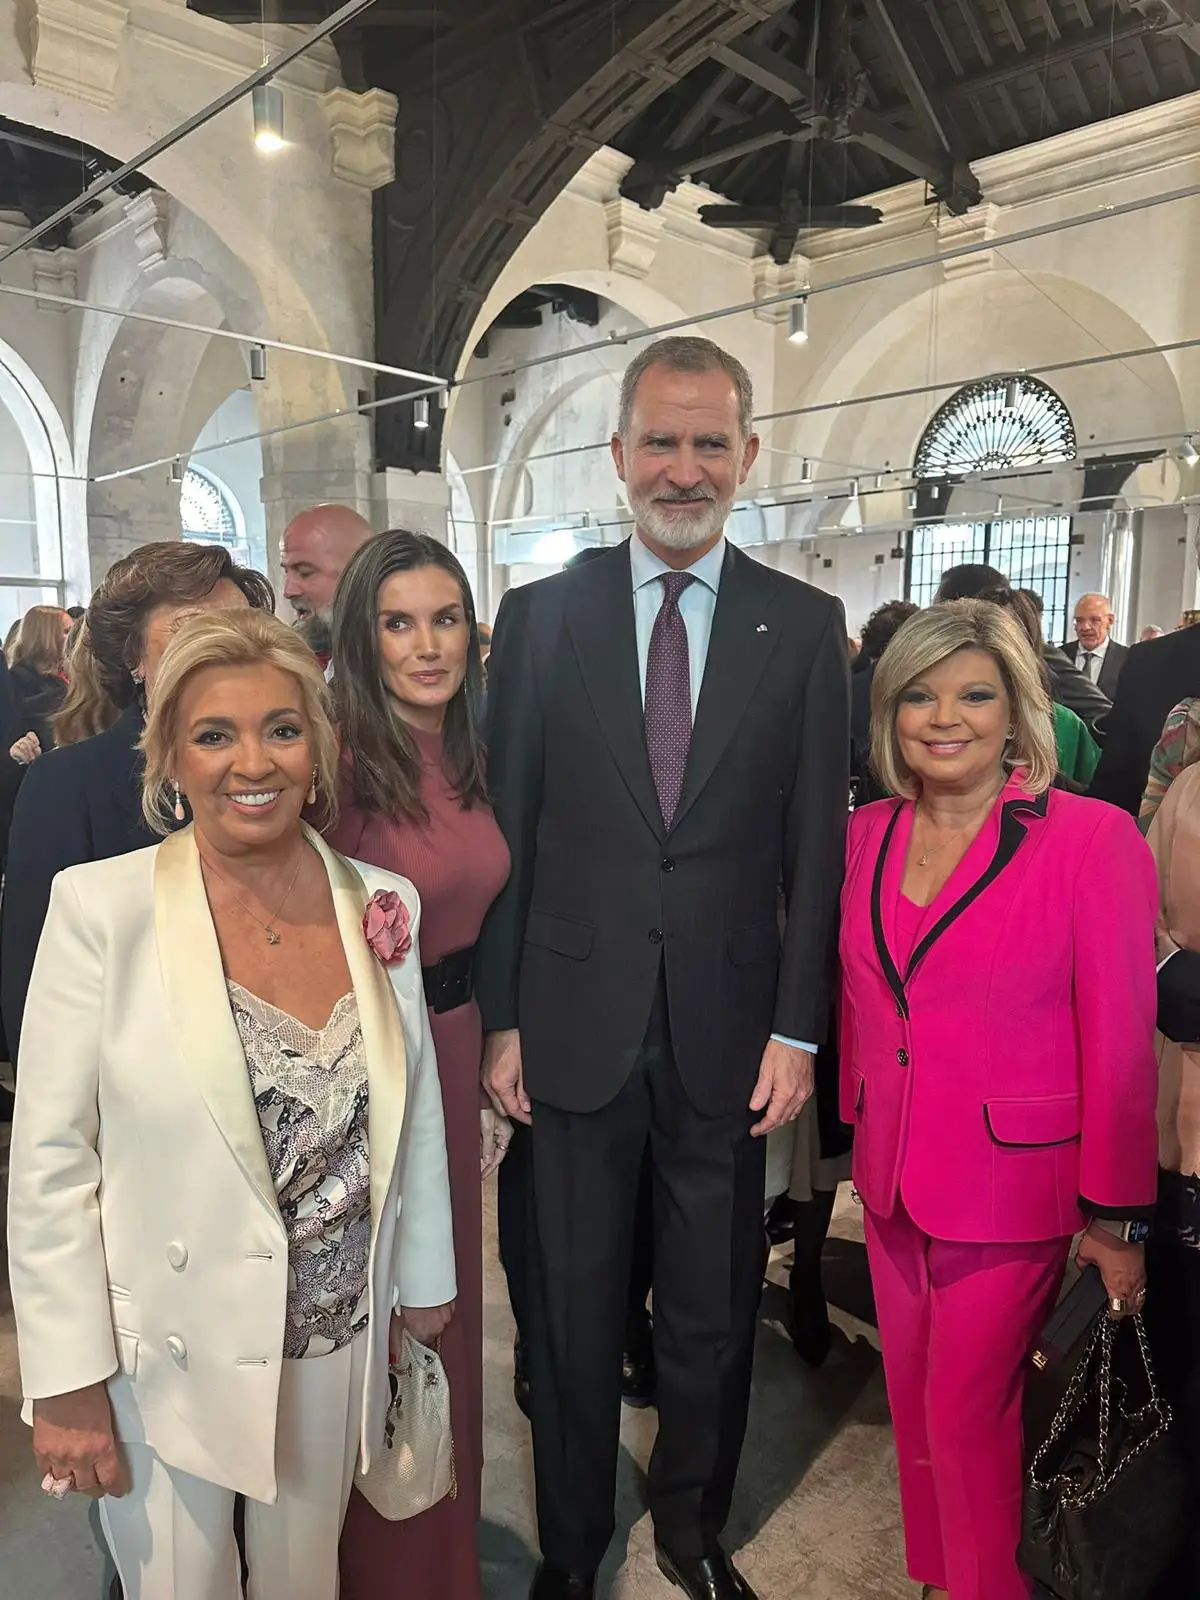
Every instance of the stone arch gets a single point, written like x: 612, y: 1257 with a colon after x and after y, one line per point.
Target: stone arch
x: 58, y: 498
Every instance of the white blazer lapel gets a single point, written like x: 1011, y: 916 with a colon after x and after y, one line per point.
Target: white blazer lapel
x: 194, y: 980
x: 379, y: 1017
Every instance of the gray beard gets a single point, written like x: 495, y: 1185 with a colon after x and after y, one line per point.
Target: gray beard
x: 317, y: 633
x: 681, y: 530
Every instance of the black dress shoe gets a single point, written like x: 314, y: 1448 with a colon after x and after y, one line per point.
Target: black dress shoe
x: 711, y: 1577
x: 556, y: 1583
x: 521, y: 1380
x: 639, y: 1378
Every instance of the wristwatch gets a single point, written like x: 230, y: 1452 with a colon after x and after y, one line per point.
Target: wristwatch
x: 1132, y: 1232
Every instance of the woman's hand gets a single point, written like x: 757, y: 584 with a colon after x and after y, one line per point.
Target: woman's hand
x: 425, y: 1323
x: 1122, y: 1267
x: 495, y: 1134
x: 73, y: 1440
x: 26, y: 750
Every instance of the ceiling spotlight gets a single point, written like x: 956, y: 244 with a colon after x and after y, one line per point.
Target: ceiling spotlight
x: 1189, y: 453
x: 798, y: 321
x: 258, y: 363
x: 177, y: 470
x: 444, y: 398
x: 935, y: 491
x: 421, y: 411
x: 267, y: 102
x: 912, y: 499
x: 1012, y: 394
x: 806, y: 472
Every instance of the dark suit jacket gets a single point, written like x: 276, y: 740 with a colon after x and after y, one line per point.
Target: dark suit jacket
x: 601, y: 895
x: 80, y: 803
x: 1155, y: 677
x: 1115, y: 658
x: 1070, y: 688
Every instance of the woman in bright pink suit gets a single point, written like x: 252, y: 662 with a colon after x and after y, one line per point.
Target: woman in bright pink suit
x: 997, y: 1054
x: 407, y: 681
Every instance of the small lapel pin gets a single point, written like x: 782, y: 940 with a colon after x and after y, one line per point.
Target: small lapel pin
x: 762, y: 628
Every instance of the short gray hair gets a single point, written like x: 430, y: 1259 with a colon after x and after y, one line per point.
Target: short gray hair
x: 687, y: 353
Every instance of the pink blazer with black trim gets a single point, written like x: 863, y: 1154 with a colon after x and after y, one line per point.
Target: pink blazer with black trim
x: 1004, y: 1083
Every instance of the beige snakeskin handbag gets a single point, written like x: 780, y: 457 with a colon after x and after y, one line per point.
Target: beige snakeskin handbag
x: 415, y: 1467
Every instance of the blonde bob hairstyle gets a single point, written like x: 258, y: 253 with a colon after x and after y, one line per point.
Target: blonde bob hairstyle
x: 232, y: 639
x: 927, y: 640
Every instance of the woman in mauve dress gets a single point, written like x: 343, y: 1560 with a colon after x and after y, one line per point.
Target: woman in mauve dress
x: 407, y: 680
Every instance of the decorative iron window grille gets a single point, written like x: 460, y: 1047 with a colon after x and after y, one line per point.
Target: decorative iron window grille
x: 1000, y: 424
x: 205, y: 510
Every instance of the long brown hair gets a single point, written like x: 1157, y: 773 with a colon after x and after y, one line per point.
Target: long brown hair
x: 383, y: 760
x: 39, y: 645
x: 112, y: 639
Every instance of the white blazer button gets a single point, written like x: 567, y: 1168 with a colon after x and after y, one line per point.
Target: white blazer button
x: 177, y: 1255
x: 176, y: 1349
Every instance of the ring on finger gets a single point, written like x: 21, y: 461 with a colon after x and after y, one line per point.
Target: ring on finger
x: 57, y: 1488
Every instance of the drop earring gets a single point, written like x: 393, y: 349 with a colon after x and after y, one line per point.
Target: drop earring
x: 1010, y: 736
x: 180, y: 814
x: 312, y: 789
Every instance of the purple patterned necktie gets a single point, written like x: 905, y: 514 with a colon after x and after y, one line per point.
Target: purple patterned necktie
x: 669, y: 697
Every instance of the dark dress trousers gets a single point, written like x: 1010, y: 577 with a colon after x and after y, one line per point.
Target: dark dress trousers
x: 1156, y: 676
x: 1110, y: 668
x: 78, y: 803
x: 646, y: 970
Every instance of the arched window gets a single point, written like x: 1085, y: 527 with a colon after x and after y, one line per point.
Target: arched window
x: 1000, y: 424
x: 207, y: 511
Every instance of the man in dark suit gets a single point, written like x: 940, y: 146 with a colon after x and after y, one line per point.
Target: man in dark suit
x: 1095, y: 652
x: 669, y: 741
x: 1154, y: 679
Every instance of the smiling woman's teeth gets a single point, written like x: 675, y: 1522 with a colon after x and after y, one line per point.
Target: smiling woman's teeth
x: 255, y: 799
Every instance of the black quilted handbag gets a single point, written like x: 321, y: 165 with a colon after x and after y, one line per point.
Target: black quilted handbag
x: 1107, y: 1499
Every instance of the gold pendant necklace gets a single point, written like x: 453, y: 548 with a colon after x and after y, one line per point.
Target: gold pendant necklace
x: 273, y: 936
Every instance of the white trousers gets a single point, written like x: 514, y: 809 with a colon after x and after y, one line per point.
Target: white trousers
x: 172, y: 1537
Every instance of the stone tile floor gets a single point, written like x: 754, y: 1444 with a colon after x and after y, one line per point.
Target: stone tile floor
x: 816, y: 1517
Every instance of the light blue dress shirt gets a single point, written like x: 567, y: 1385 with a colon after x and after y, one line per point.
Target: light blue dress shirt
x: 697, y: 604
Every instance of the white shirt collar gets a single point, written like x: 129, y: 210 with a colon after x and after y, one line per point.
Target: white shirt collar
x: 1099, y: 652
x: 646, y: 566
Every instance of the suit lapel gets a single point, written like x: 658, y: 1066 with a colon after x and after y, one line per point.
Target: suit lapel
x: 198, y: 1000
x: 599, y: 615
x: 739, y: 648
x: 379, y: 1018
x: 889, y: 877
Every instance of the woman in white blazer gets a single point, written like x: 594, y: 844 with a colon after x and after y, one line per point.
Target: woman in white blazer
x: 228, y: 1162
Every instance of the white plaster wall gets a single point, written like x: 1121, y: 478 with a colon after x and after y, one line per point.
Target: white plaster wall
x: 277, y: 247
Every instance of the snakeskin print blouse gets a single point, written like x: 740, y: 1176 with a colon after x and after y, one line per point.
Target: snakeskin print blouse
x: 310, y: 1088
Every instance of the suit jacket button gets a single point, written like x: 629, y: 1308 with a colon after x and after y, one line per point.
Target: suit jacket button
x: 668, y: 864
x: 177, y: 1255
x: 656, y: 936
x: 176, y: 1349
x: 902, y: 1057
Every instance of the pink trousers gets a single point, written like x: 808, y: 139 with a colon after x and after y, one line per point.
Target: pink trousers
x: 956, y: 1323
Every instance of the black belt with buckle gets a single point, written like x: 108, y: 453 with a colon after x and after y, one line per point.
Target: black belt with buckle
x: 451, y: 983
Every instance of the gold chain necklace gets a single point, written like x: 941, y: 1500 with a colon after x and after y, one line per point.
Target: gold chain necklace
x: 933, y: 850
x: 273, y: 937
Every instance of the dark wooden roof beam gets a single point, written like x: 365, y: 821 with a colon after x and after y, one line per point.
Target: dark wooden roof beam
x: 652, y: 178
x: 952, y: 181
x: 689, y: 125
x: 810, y: 216
x: 938, y: 28
x: 1049, y: 20
x: 776, y: 74
x: 1082, y: 12
x: 915, y: 78
x: 1080, y: 93
x: 1178, y: 17
x: 1014, y: 116
x: 966, y: 10
x: 1010, y: 25
x: 1071, y: 47
x: 1147, y: 66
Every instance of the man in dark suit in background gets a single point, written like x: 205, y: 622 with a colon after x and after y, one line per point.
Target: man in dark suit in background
x: 668, y: 749
x: 1156, y: 676
x: 1095, y: 652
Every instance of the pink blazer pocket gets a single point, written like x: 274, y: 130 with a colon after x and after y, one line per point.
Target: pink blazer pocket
x: 1034, y: 1123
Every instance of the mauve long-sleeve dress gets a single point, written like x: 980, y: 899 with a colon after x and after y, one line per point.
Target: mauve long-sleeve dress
x: 459, y: 862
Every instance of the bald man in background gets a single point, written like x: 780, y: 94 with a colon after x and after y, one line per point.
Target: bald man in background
x: 315, y: 549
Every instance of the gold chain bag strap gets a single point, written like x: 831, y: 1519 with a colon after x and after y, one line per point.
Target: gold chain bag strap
x: 415, y: 1467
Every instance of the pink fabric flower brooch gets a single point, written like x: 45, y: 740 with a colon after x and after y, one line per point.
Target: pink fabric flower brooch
x: 385, y: 924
